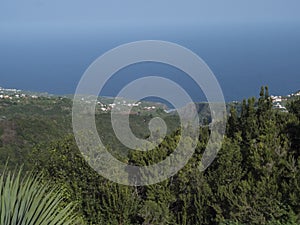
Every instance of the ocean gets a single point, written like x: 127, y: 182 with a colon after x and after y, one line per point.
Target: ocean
x: 243, y: 58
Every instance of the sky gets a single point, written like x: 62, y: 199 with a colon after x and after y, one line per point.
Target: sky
x: 89, y: 14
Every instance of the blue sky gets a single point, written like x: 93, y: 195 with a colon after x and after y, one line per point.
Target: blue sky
x: 33, y: 14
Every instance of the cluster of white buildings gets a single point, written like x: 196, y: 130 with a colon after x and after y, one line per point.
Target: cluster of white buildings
x: 279, y: 106
x: 9, y: 90
x: 296, y: 94
x: 277, y: 102
x: 11, y: 94
x: 120, y: 105
x: 16, y: 96
x: 149, y: 108
x: 278, y: 98
x: 5, y: 97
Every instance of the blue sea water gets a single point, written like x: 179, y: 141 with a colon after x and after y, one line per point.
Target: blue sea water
x: 242, y: 58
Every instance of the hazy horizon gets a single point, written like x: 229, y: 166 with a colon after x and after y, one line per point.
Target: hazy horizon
x: 47, y: 46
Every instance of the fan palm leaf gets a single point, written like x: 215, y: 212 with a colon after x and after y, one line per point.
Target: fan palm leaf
x: 29, y: 201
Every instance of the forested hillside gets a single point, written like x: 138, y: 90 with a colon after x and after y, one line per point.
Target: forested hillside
x: 255, y: 178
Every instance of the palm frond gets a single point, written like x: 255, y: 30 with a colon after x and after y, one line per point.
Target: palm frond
x: 29, y: 201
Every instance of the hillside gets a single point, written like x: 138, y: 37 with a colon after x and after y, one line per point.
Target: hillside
x: 29, y: 119
x: 253, y: 180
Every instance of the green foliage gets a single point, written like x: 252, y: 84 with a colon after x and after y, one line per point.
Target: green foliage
x: 98, y: 200
x: 255, y: 178
x: 294, y: 107
x: 28, y: 201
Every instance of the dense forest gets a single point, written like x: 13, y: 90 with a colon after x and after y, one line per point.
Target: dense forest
x: 255, y: 178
